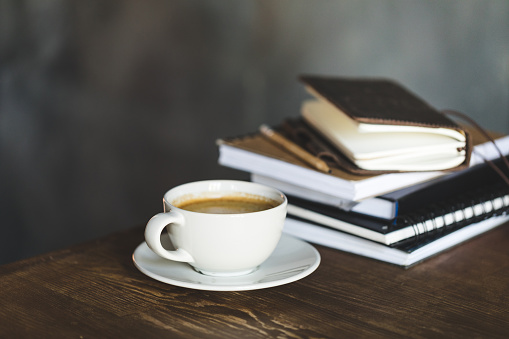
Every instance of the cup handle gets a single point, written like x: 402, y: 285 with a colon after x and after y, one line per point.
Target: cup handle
x: 153, y: 236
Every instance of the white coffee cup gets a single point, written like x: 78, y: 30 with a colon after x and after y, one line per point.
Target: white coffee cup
x: 218, y: 244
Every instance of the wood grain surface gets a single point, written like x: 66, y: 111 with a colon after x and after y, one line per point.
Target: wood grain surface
x: 94, y: 291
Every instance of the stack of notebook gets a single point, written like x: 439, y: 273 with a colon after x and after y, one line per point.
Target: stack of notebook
x: 370, y: 168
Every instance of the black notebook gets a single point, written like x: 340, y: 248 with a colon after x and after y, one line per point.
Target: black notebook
x: 445, y: 215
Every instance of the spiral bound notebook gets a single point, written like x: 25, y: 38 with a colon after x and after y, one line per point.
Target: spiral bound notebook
x: 405, y: 256
x: 431, y: 221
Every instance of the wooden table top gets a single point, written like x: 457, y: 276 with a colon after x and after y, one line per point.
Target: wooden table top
x: 94, y: 290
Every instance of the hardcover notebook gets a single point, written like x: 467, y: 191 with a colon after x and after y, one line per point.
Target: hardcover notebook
x: 380, y: 125
x: 255, y: 154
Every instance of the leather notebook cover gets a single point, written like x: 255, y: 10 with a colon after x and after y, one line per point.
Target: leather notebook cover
x: 377, y: 101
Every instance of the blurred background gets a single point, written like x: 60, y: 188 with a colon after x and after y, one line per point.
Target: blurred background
x: 104, y: 105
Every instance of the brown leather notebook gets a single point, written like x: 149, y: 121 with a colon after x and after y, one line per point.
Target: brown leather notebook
x: 379, y: 125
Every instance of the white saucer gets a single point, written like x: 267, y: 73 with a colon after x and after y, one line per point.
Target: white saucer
x: 293, y: 259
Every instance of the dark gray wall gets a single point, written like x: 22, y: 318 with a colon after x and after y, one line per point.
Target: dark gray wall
x: 104, y: 105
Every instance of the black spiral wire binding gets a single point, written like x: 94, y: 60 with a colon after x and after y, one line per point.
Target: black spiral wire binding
x: 428, y: 218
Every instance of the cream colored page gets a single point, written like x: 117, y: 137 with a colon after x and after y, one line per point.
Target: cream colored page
x: 343, y: 132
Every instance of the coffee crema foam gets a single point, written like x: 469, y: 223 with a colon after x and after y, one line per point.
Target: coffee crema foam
x: 228, y: 204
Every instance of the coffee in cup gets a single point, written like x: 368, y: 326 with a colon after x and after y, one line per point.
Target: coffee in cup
x: 232, y: 204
